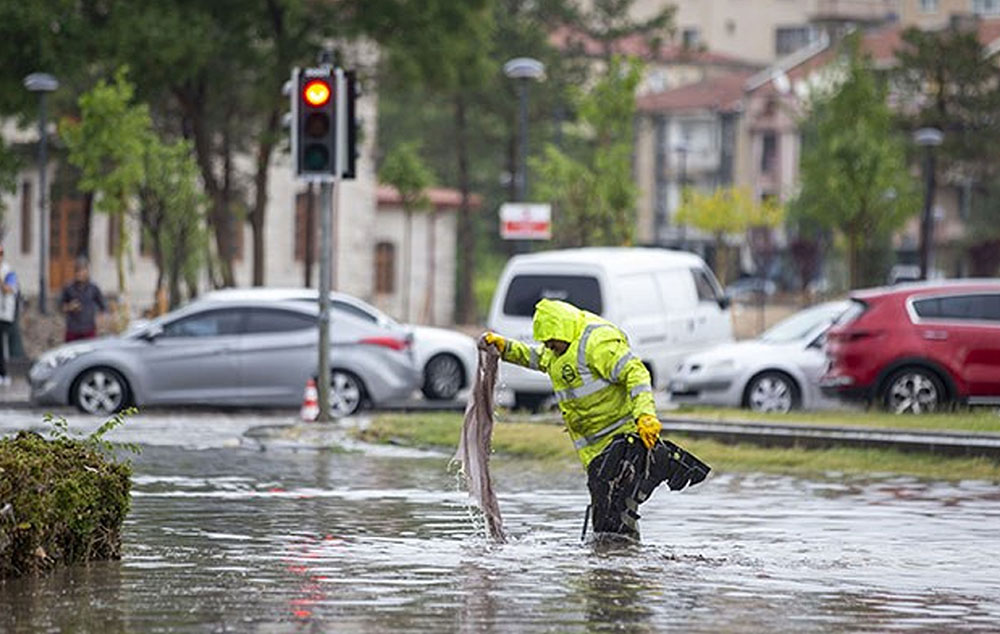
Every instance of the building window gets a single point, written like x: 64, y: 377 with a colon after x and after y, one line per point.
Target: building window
x: 985, y: 7
x: 26, y: 217
x: 305, y: 227
x: 928, y: 6
x: 788, y: 39
x: 385, y: 267
x: 690, y: 37
x: 768, y: 152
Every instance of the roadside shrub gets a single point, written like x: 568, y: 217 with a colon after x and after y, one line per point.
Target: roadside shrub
x: 62, y: 500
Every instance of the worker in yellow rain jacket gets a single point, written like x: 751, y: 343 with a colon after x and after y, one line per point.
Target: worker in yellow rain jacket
x: 606, y: 398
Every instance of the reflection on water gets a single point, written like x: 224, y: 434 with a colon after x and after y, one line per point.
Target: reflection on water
x: 279, y: 541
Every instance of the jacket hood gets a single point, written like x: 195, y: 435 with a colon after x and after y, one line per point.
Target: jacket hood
x: 555, y: 319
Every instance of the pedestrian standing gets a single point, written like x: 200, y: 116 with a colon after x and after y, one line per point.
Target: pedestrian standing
x: 8, y: 313
x: 81, y: 301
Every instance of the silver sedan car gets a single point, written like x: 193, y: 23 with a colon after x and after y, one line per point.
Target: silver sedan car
x: 777, y: 372
x: 232, y: 353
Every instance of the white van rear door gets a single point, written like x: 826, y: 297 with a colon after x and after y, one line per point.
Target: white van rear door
x: 680, y: 301
x: 713, y: 323
x: 641, y: 307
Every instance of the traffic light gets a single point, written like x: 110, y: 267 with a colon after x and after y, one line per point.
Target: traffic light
x: 351, y: 96
x: 314, y: 137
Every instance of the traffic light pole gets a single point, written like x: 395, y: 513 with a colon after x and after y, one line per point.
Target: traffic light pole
x: 326, y: 193
x: 330, y: 195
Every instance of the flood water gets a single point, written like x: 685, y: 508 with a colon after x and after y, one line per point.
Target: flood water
x: 224, y: 537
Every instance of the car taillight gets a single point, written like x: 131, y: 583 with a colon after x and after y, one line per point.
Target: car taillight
x: 850, y: 336
x: 387, y: 342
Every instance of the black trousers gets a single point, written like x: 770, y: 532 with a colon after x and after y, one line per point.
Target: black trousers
x: 624, y: 475
x: 6, y: 333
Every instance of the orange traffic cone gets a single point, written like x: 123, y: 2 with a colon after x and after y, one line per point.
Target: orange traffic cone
x: 310, y: 402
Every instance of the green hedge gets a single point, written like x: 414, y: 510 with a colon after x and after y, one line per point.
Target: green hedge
x: 62, y: 501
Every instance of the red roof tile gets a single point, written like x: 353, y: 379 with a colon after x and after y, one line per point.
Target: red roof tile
x: 720, y: 93
x: 565, y: 38
x: 440, y: 197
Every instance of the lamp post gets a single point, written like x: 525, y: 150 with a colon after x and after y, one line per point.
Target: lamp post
x: 928, y: 138
x: 523, y: 69
x: 42, y: 84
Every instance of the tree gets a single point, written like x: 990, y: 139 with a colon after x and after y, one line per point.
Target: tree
x: 854, y: 177
x: 404, y: 170
x: 594, y: 194
x: 444, y: 48
x: 173, y: 218
x: 108, y: 144
x: 949, y: 77
x: 725, y: 211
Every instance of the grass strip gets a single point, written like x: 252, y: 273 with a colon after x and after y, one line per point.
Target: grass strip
x: 972, y: 420
x: 547, y: 443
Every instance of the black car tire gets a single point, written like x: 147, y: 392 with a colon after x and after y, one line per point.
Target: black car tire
x: 347, y: 393
x: 913, y: 390
x: 529, y: 401
x: 444, y: 376
x: 100, y: 391
x: 772, y: 391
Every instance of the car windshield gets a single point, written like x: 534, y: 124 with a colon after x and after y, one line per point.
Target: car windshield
x: 803, y: 323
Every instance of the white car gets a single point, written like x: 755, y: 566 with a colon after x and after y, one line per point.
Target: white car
x: 446, y: 358
x: 777, y: 372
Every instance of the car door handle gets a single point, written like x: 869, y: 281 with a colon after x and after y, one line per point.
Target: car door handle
x: 934, y: 335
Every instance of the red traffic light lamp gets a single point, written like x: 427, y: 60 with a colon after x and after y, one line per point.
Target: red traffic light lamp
x: 316, y: 93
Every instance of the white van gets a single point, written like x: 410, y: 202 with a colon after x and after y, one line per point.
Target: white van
x: 667, y: 302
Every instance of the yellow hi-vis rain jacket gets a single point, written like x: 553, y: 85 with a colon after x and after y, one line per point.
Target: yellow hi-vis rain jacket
x: 601, y: 387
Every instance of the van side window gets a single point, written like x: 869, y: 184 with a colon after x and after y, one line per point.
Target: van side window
x: 583, y: 291
x: 703, y: 284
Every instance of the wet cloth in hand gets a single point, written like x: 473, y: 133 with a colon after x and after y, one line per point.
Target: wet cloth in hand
x: 475, y: 443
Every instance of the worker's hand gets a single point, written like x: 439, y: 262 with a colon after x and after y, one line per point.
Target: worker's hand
x: 493, y: 339
x: 649, y: 430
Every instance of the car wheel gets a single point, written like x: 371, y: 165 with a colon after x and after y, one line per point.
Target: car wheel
x: 346, y: 393
x: 529, y: 401
x: 913, y: 390
x: 100, y: 391
x: 443, y: 377
x: 772, y: 392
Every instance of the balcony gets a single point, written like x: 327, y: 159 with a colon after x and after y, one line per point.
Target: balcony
x: 857, y: 11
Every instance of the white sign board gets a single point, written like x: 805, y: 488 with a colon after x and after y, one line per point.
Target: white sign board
x: 525, y: 221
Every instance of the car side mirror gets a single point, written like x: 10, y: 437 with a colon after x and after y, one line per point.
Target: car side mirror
x: 152, y: 332
x: 725, y: 302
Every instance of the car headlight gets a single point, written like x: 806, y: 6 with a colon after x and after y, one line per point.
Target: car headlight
x: 61, y: 356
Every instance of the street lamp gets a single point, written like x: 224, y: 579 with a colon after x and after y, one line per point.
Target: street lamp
x: 42, y: 83
x: 523, y: 69
x: 928, y: 138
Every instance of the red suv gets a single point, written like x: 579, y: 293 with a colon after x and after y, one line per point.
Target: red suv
x: 915, y: 347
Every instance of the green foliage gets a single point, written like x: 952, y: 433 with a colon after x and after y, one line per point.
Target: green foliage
x: 173, y: 213
x: 108, y: 144
x: 9, y: 165
x: 854, y: 177
x: 593, y: 193
x: 62, y: 501
x: 404, y: 170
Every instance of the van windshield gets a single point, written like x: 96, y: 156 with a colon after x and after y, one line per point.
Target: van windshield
x: 525, y: 290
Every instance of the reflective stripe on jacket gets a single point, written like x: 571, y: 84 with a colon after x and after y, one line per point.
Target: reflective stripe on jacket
x: 601, y: 387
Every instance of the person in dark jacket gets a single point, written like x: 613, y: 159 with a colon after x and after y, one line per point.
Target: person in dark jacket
x: 81, y: 301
